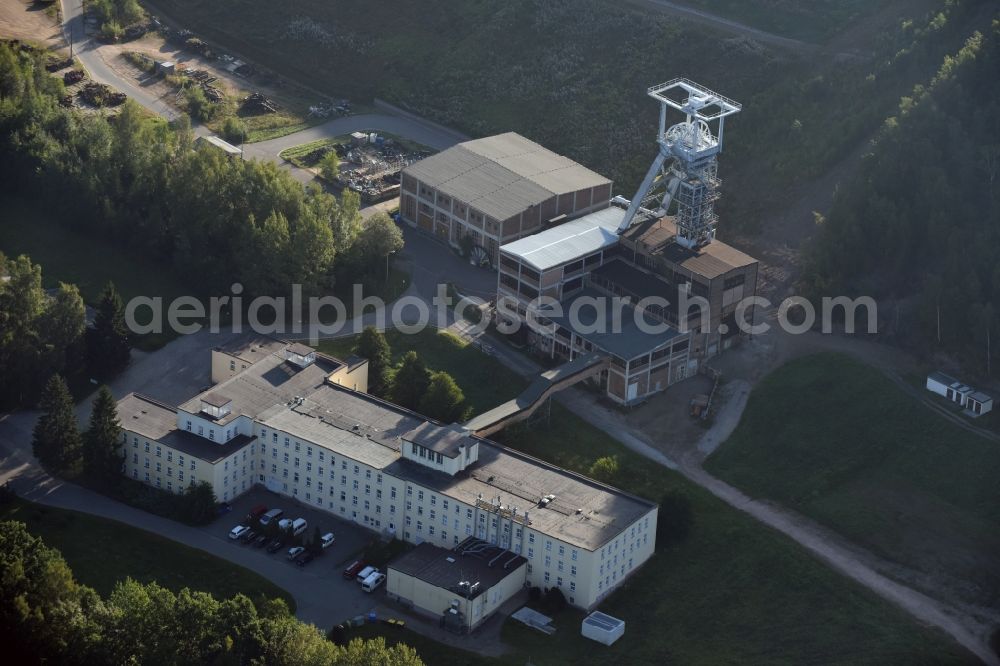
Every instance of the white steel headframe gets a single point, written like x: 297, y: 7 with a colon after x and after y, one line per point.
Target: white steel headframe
x: 685, y: 168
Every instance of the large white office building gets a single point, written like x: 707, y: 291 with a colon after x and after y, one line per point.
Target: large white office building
x: 300, y: 424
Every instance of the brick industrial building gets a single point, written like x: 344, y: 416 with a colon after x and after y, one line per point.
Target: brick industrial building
x: 495, y: 190
x: 660, y: 244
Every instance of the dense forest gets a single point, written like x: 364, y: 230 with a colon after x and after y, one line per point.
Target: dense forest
x: 143, y: 184
x: 918, y: 226
x: 47, y: 617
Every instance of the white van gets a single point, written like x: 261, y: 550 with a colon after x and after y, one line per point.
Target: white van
x: 284, y: 524
x: 373, y: 582
x: 299, y: 526
x: 365, y: 573
x: 270, y: 515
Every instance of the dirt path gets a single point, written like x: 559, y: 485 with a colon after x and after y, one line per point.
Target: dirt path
x: 735, y: 27
x: 964, y: 625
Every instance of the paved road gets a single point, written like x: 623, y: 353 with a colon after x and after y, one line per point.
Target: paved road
x: 413, y: 129
x: 88, y: 51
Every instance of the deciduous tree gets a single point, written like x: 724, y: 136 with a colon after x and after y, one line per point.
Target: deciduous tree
x: 411, y: 381
x: 443, y: 400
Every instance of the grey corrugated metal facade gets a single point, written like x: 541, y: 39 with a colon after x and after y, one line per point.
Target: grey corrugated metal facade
x: 496, y: 190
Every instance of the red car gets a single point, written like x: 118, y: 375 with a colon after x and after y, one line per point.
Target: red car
x: 256, y: 513
x: 352, y: 570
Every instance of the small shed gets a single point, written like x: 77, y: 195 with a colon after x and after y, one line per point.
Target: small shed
x: 938, y: 382
x: 220, y: 144
x: 979, y: 403
x: 166, y: 67
x: 602, y: 628
x: 359, y: 138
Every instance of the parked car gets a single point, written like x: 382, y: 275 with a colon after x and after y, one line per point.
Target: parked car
x: 275, y: 545
x: 260, y: 541
x: 256, y: 512
x: 353, y: 569
x: 248, y: 537
x: 285, y: 524
x: 238, y: 532
x: 365, y: 573
x: 304, y: 558
x: 267, y: 517
x: 294, y: 551
x: 373, y: 582
x: 299, y: 526
x: 326, y: 540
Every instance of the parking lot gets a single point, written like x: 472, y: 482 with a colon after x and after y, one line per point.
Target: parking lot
x: 349, y: 539
x: 344, y: 599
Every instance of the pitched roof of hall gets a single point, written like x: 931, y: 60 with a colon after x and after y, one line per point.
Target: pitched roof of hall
x: 569, y: 241
x: 503, y: 175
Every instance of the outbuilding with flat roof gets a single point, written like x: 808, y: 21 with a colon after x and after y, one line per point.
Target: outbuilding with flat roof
x: 462, y: 587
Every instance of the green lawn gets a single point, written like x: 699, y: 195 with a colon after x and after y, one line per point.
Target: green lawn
x: 102, y: 552
x: 836, y: 440
x: 486, y: 384
x: 302, y: 154
x: 733, y: 592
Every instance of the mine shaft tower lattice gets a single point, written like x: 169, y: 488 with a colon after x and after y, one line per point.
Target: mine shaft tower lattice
x: 686, y: 168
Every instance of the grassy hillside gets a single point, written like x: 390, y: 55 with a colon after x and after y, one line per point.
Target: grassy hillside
x: 573, y: 75
x: 837, y: 441
x: 102, y: 552
x: 732, y: 592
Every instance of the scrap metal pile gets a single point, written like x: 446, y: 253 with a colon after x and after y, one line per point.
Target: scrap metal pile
x: 373, y: 169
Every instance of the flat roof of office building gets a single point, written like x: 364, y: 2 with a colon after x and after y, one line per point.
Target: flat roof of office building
x: 446, y: 568
x: 269, y: 381
x: 157, y: 421
x: 371, y: 431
